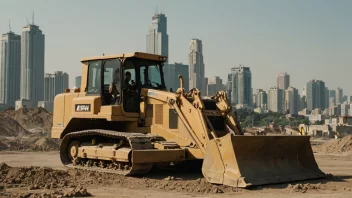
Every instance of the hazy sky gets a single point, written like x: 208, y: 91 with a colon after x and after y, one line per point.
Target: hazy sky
x: 309, y: 39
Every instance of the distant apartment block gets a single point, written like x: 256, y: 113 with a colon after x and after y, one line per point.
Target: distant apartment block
x: 171, y: 72
x: 283, y: 81
x: 214, y: 85
x: 241, y: 85
x: 349, y: 99
x: 10, y: 69
x: 32, y: 64
x: 335, y: 110
x: 196, y: 66
x: 255, y: 97
x: 326, y: 98
x: 292, y: 100
x: 303, y: 103
x: 54, y: 84
x: 262, y: 100
x: 332, y: 101
x: 344, y: 98
x: 274, y: 100
x: 78, y: 80
x: 345, y: 109
x: 315, y: 94
x: 304, y: 91
x: 205, y: 84
x: 339, y: 95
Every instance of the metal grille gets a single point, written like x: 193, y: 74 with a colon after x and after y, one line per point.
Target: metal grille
x: 158, y: 114
x: 149, y: 110
x: 173, y: 119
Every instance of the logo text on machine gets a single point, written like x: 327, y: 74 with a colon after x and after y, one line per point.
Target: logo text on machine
x: 82, y: 107
x: 150, y: 93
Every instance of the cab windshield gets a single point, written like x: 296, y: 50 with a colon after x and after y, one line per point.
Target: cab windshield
x: 151, y: 76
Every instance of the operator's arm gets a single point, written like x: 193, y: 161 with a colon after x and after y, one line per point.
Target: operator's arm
x: 113, y: 87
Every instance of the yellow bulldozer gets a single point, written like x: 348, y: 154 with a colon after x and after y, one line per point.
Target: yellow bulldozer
x: 123, y: 120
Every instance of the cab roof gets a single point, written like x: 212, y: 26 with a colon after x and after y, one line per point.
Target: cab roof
x: 141, y: 55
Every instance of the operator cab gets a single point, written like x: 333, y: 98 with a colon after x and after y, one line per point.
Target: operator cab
x: 120, y: 80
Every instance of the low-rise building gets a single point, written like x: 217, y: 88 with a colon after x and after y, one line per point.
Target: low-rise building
x: 22, y: 104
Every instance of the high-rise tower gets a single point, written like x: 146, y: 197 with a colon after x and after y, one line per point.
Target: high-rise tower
x: 196, y: 66
x: 241, y: 92
x: 157, y: 37
x: 10, y: 69
x: 32, y: 64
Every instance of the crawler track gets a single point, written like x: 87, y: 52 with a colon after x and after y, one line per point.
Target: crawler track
x: 74, y: 140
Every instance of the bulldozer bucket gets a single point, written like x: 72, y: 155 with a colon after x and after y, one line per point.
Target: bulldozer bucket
x: 243, y: 161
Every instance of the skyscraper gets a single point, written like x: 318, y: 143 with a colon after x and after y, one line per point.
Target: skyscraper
x: 78, y: 80
x: 315, y: 95
x: 283, y: 82
x: 10, y: 69
x: 262, y: 100
x: 49, y: 87
x: 157, y: 37
x: 292, y: 100
x: 274, y: 100
x: 54, y: 84
x: 339, y: 95
x: 32, y: 64
x: 171, y: 72
x: 304, y: 91
x: 214, y: 85
x: 326, y: 97
x: 196, y: 66
x: 205, y: 85
x: 241, y: 92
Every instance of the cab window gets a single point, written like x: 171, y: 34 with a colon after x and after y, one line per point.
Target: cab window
x: 129, y: 68
x: 94, y: 78
x: 151, y: 76
x: 112, y: 74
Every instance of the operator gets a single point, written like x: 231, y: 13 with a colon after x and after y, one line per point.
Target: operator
x: 127, y: 81
x: 114, y: 88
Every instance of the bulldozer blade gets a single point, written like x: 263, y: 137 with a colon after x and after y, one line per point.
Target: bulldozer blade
x: 243, y: 161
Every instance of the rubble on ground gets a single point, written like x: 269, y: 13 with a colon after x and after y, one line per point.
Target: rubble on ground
x: 29, y: 118
x: 26, y: 130
x: 336, y: 146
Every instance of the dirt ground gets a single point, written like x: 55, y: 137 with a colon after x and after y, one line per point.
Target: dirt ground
x: 47, y: 169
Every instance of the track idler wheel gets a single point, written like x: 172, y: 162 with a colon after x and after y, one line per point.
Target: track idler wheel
x: 73, y: 151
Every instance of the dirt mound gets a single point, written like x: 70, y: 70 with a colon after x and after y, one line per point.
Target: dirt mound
x: 10, y: 127
x: 303, y: 188
x: 3, y: 146
x: 46, y: 144
x: 336, y: 146
x: 34, y: 178
x: 30, y: 143
x: 30, y: 118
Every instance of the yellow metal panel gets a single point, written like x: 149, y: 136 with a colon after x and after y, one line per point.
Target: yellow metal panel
x: 114, y: 110
x: 158, y: 113
x: 104, y: 153
x: 84, y: 76
x: 56, y: 132
x: 141, y: 55
x: 171, y: 136
x: 93, y: 101
x: 154, y: 155
x: 59, y: 114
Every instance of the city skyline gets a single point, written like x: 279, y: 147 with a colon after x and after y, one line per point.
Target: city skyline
x: 300, y: 53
